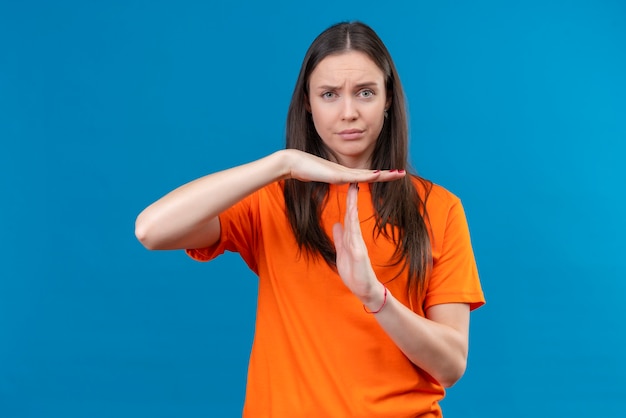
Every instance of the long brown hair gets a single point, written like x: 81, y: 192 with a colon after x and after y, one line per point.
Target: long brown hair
x: 397, y: 204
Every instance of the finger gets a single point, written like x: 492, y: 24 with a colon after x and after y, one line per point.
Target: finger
x: 347, y: 226
x: 351, y: 205
x: 369, y: 176
x: 352, y: 226
x: 348, y: 175
x: 338, y: 237
x: 389, y: 175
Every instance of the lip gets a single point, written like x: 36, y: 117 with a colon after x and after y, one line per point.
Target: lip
x: 351, y: 134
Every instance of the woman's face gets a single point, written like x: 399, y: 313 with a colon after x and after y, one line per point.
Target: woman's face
x: 347, y: 100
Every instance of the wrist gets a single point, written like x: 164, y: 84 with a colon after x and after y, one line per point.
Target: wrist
x: 376, y: 299
x: 285, y: 161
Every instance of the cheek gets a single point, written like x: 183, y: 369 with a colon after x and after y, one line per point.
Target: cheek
x: 321, y: 119
x: 376, y: 117
x: 321, y: 128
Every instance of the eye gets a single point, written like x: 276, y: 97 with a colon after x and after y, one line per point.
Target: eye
x: 328, y: 95
x: 366, y: 93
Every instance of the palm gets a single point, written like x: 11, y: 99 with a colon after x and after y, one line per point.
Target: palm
x: 353, y: 263
x: 308, y: 167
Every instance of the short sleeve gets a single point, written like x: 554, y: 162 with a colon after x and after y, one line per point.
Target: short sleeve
x: 454, y: 276
x: 237, y: 234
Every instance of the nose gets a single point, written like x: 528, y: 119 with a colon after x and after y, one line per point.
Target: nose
x: 349, y: 110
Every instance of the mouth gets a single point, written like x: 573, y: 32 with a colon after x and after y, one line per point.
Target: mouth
x: 351, y: 134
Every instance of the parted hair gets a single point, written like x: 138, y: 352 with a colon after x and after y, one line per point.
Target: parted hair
x: 400, y: 211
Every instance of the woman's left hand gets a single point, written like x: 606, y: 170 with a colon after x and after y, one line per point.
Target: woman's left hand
x: 353, y: 262
x: 436, y: 343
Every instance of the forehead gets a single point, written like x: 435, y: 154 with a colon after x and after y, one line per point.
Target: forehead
x: 348, y: 66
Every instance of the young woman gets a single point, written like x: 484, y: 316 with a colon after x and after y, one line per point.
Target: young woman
x: 366, y: 272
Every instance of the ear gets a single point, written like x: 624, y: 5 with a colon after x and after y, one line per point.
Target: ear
x: 388, y: 103
x: 307, y: 103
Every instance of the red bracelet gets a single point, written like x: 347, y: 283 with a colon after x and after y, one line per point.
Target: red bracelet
x: 381, y: 306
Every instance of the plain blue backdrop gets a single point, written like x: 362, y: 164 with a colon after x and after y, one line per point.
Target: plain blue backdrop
x: 517, y: 107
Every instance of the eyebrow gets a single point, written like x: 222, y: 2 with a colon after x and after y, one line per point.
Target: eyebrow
x: 358, y: 86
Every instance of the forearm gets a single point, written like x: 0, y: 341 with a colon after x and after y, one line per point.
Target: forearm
x: 439, y: 348
x: 438, y: 343
x: 187, y: 216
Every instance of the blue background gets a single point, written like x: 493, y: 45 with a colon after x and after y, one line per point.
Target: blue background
x: 517, y: 107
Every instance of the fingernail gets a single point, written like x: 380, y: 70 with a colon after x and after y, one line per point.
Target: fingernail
x: 393, y: 171
x: 400, y: 171
x: 377, y: 171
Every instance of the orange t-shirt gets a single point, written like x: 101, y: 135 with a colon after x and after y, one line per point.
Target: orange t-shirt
x: 316, y: 353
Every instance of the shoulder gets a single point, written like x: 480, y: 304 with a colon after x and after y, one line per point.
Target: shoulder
x: 435, y: 196
x: 255, y: 206
x: 268, y: 198
x: 444, y: 210
x: 273, y: 192
x: 268, y: 193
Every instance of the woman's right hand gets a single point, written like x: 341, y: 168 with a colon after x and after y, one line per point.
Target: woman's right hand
x: 308, y: 167
x: 187, y: 216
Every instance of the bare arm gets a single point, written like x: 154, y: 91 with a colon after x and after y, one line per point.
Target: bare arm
x: 188, y: 216
x: 438, y: 344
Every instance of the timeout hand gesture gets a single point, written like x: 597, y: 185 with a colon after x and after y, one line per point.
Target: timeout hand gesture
x: 353, y: 262
x: 308, y: 167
